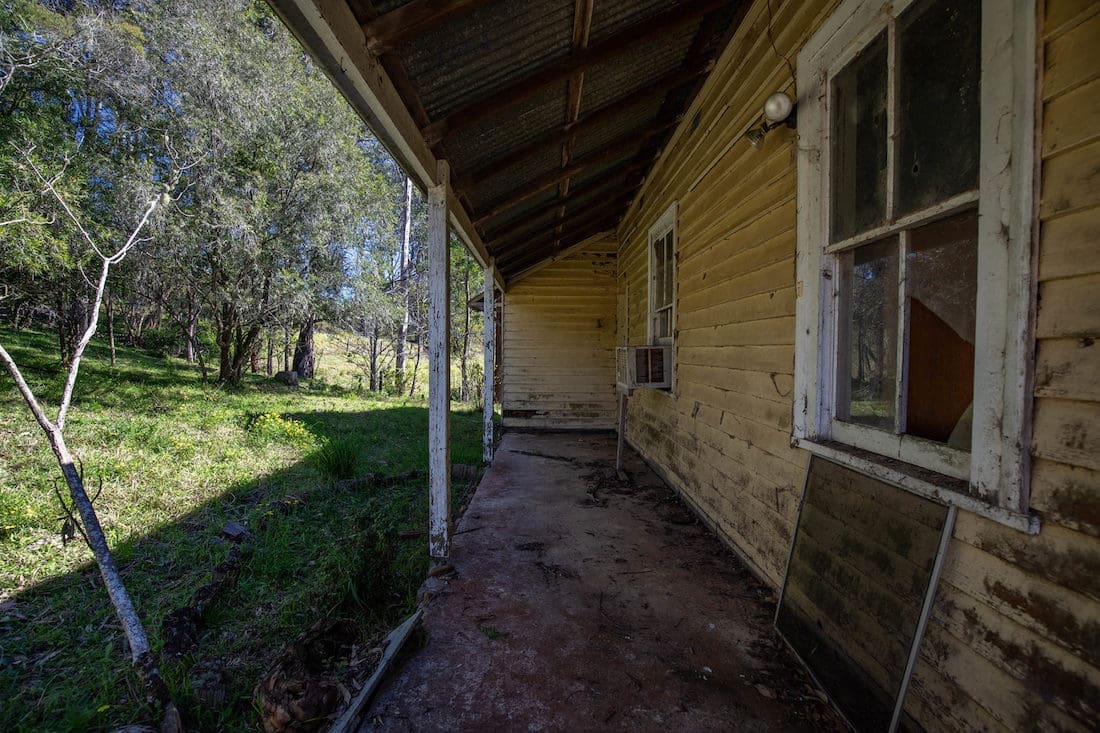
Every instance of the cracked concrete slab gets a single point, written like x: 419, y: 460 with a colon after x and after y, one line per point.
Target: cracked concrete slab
x: 582, y: 601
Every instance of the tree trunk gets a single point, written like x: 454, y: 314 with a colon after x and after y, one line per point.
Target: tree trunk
x: 111, y: 327
x: 270, y: 353
x: 304, y: 356
x: 224, y: 326
x: 375, y: 377
x: 416, y: 369
x: 192, y: 326
x: 403, y: 323
x: 464, y: 364
x: 286, y: 349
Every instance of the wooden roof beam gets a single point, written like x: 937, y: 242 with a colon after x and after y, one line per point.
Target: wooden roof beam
x: 504, y: 258
x: 576, y: 197
x: 615, y: 174
x: 541, y: 250
x: 638, y: 134
x: 389, y: 30
x: 558, y: 71
x: 650, y: 91
x: 580, y: 165
x: 608, y: 205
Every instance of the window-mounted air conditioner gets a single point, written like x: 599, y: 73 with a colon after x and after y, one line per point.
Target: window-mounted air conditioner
x: 643, y: 366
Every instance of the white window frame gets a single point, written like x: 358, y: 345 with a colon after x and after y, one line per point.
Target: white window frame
x: 992, y: 480
x: 664, y: 225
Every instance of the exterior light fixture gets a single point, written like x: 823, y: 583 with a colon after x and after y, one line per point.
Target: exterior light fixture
x: 779, y: 109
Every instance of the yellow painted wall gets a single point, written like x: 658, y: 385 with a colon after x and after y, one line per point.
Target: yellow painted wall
x: 559, y: 344
x: 1014, y: 642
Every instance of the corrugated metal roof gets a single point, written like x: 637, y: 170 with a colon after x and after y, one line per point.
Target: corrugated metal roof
x: 463, y: 61
x: 611, y: 16
x: 485, y: 51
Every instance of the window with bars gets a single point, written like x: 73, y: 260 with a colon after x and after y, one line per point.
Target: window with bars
x: 662, y: 278
x: 913, y: 309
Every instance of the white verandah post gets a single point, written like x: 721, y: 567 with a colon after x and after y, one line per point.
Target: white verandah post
x: 439, y: 365
x: 490, y: 358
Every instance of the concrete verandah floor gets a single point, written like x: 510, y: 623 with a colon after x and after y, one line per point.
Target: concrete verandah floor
x: 584, y: 602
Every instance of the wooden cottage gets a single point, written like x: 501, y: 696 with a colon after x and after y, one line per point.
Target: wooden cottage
x: 899, y: 276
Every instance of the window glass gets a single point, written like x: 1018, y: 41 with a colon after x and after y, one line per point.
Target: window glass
x: 858, y: 155
x: 666, y: 290
x: 941, y: 284
x: 867, y: 359
x: 662, y: 279
x: 939, y: 84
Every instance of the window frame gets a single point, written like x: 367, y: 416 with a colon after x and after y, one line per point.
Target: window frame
x: 992, y: 480
x: 661, y: 228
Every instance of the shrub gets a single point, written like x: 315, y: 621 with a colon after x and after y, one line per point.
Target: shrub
x: 339, y: 459
x: 162, y: 342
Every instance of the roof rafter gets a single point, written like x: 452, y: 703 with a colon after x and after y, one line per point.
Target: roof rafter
x: 558, y: 71
x: 630, y: 138
x: 580, y: 165
x: 577, y: 213
x: 408, y: 21
x: 539, y: 250
x: 592, y: 120
x: 504, y: 256
x: 577, y: 196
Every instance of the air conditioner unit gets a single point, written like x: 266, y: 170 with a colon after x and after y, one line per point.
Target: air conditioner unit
x: 643, y: 366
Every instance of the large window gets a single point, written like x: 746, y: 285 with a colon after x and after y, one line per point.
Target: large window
x: 662, y: 278
x: 915, y: 173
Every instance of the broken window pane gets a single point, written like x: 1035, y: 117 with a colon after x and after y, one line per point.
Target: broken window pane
x: 867, y: 359
x: 858, y: 156
x: 942, y: 278
x: 662, y: 324
x: 939, y: 79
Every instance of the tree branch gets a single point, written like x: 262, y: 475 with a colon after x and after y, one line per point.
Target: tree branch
x: 93, y: 323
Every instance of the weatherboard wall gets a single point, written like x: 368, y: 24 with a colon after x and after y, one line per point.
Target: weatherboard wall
x: 1014, y: 640
x: 559, y: 344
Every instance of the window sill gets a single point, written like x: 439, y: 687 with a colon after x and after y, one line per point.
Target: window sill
x: 929, y: 484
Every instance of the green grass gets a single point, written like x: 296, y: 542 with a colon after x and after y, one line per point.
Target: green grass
x: 178, y: 459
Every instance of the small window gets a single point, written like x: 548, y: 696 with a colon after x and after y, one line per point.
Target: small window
x: 914, y: 228
x: 662, y: 278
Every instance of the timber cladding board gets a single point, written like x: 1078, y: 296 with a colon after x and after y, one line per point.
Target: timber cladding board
x: 1014, y: 641
x: 559, y: 343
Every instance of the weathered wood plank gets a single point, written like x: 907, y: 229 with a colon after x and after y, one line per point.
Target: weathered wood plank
x: 439, y: 370
x: 1062, y: 15
x: 1068, y: 432
x: 1072, y: 119
x: 1067, y: 495
x: 1071, y: 58
x: 1068, y: 369
x: 1069, y: 307
x: 1068, y: 246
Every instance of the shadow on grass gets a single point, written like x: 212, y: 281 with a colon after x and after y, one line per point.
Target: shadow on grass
x: 320, y: 549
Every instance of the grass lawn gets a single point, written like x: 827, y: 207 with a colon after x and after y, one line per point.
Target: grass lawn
x: 177, y: 460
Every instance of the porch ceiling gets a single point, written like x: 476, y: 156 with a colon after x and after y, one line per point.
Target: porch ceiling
x: 549, y: 112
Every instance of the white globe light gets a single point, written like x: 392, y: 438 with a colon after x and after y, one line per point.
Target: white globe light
x: 778, y: 107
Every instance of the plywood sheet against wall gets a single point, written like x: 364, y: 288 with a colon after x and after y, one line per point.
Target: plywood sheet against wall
x: 863, y: 559
x: 559, y: 344
x: 1014, y: 641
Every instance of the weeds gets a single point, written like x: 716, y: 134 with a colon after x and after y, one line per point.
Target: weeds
x: 339, y: 459
x: 177, y: 460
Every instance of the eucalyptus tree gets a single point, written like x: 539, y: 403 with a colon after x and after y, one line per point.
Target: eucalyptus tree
x: 74, y: 88
x: 282, y: 181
